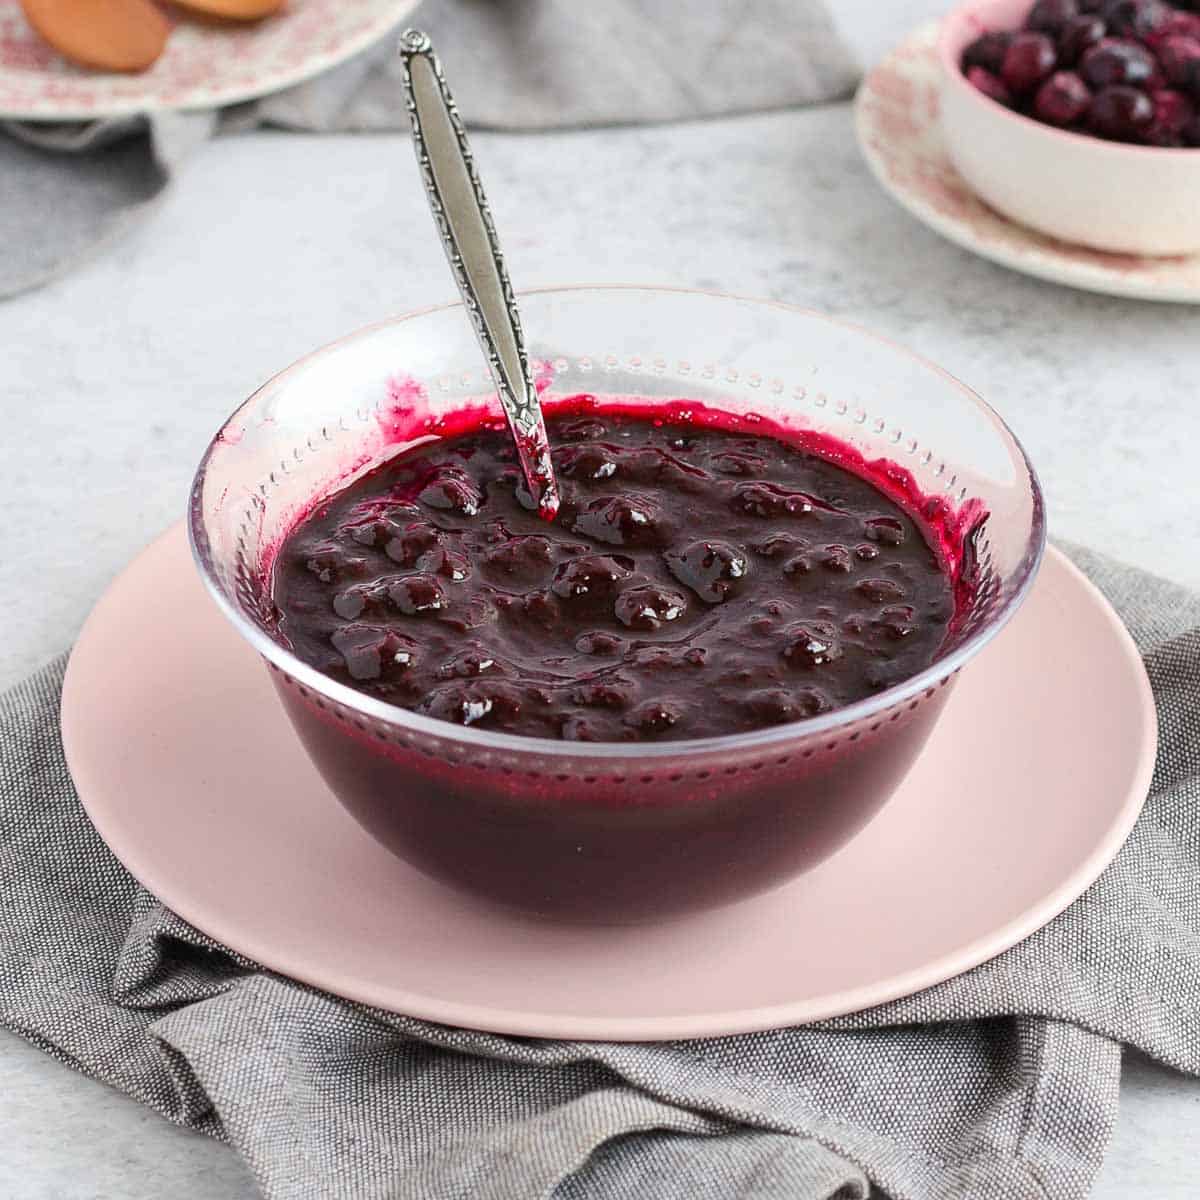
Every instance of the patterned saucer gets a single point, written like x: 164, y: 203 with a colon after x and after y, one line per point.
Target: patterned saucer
x: 899, y: 131
x: 204, y: 65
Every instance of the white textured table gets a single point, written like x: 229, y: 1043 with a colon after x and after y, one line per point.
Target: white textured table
x: 115, y: 377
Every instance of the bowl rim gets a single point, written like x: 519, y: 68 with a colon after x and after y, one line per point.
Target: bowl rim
x: 932, y: 676
x: 952, y: 75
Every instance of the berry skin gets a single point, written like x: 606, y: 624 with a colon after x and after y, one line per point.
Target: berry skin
x: 987, y: 52
x: 1115, y: 61
x: 1078, y: 35
x: 1029, y: 59
x: 1062, y: 99
x: 990, y: 85
x: 1049, y: 16
x: 1121, y: 114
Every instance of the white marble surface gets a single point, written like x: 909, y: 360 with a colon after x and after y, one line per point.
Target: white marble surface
x: 116, y: 376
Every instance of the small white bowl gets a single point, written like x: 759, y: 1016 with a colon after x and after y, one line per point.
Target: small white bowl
x: 1107, y: 195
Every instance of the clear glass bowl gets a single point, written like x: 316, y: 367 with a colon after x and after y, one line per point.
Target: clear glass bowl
x: 611, y: 831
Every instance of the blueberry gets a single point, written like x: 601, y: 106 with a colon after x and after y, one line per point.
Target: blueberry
x: 630, y: 520
x: 654, y: 716
x: 449, y: 563
x: 331, y: 564
x: 352, y: 603
x: 416, y: 594
x: 589, y: 460
x: 1180, y: 60
x: 594, y: 577
x: 775, y: 706
x: 836, y: 558
x: 585, y: 429
x: 649, y: 607
x: 486, y: 704
x: 1049, y: 16
x: 540, y: 608
x: 405, y: 544
x: 1134, y: 18
x: 373, y: 530
x: 469, y: 663
x: 1113, y: 61
x: 1177, y: 24
x: 779, y: 544
x: 371, y: 653
x: 880, y: 591
x: 896, y: 622
x: 1173, y: 114
x: 1062, y: 99
x: 478, y: 611
x: 888, y: 531
x: 613, y: 693
x: 580, y: 729
x: 451, y: 488
x: 1122, y: 114
x: 599, y: 643
x: 526, y: 558
x: 1029, y: 59
x: 1077, y: 35
x: 739, y: 462
x: 812, y: 644
x: 711, y: 569
x: 992, y: 86
x: 987, y: 51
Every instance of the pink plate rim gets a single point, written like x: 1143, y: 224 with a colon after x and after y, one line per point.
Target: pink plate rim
x: 527, y: 1022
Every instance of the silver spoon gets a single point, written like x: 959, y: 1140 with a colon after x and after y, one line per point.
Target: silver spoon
x: 469, y: 236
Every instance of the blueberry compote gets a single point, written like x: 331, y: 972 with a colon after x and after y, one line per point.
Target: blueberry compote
x: 695, y: 582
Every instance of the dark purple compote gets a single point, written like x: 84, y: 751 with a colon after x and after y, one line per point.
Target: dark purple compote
x: 695, y: 582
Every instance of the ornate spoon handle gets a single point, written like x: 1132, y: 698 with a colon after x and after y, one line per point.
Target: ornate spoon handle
x: 469, y: 236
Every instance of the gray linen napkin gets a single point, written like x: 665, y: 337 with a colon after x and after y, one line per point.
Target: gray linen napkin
x: 999, y: 1084
x: 514, y: 64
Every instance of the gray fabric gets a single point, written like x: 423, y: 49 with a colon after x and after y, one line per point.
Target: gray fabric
x: 1000, y: 1084
x: 513, y: 64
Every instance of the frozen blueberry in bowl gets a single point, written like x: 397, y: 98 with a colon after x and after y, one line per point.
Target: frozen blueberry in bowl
x: 1049, y: 16
x: 1077, y: 35
x: 1173, y: 120
x: 1121, y: 113
x: 1113, y: 62
x: 640, y: 708
x: 990, y: 85
x: 1179, y: 59
x: 1078, y: 118
x: 1029, y: 59
x: 1062, y: 99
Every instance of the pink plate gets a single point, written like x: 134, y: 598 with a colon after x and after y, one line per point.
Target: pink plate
x: 191, y: 773
x: 205, y: 64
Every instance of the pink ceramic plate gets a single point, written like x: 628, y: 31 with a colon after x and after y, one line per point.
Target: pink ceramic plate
x: 205, y: 65
x: 899, y: 130
x: 191, y: 773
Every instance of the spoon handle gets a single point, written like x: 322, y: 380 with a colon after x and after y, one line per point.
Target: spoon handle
x: 469, y: 236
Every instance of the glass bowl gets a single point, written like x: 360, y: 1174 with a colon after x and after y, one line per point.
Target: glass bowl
x: 615, y: 831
